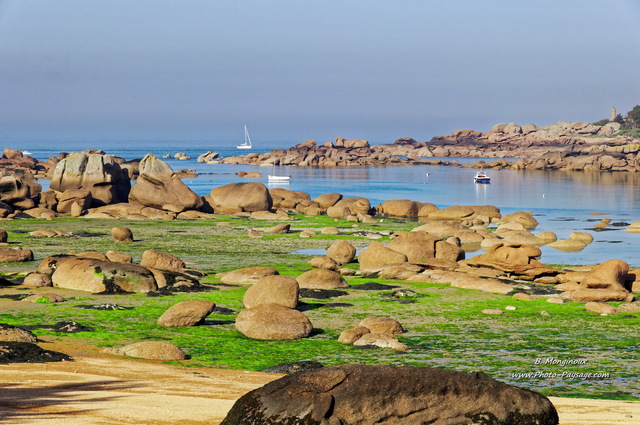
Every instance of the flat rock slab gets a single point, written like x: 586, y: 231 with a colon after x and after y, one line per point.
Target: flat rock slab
x: 374, y: 286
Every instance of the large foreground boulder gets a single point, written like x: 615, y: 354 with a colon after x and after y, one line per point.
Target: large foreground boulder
x: 159, y: 187
x: 386, y: 395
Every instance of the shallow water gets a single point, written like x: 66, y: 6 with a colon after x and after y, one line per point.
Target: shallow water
x: 561, y: 201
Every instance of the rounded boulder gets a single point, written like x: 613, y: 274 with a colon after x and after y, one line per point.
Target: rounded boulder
x: 341, y: 251
x: 240, y: 197
x: 186, y: 313
x: 276, y: 289
x: 122, y: 234
x: 273, y: 322
x: 321, y: 279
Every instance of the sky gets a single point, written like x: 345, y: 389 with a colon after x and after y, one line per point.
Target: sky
x: 295, y: 70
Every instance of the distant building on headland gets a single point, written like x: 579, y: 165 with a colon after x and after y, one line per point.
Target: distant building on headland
x: 612, y: 115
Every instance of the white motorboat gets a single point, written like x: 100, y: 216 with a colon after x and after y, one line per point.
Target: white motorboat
x: 481, y: 177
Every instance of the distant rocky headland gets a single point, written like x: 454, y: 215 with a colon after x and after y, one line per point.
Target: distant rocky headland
x: 568, y: 146
x: 572, y: 146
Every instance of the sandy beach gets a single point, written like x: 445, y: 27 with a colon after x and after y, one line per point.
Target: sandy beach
x: 96, y: 389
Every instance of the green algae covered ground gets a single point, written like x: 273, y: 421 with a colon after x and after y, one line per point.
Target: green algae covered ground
x: 569, y: 352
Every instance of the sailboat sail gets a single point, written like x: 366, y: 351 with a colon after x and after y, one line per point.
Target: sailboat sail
x: 247, y: 140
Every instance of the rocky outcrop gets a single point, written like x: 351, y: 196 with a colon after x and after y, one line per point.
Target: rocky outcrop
x: 349, y: 206
x: 608, y: 281
x: 88, y: 274
x: 98, y: 173
x: 159, y: 187
x: 113, y: 272
x: 364, y: 394
x: 16, y: 193
x: 240, y: 197
x: 208, y: 157
x: 562, y: 146
x: 15, y: 163
x: 518, y: 261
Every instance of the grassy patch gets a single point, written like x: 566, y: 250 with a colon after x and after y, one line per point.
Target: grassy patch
x: 445, y: 326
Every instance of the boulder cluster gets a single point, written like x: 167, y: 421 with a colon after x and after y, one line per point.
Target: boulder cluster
x: 113, y: 272
x: 375, y: 331
x: 342, y: 152
x: 95, y: 185
x: 270, y: 310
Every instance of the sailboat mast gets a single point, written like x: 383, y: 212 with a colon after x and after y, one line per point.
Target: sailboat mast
x: 247, y: 139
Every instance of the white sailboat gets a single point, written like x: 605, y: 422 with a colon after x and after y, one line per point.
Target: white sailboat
x: 273, y: 178
x: 247, y: 140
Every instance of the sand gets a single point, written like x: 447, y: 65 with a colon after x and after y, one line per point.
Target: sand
x: 97, y: 389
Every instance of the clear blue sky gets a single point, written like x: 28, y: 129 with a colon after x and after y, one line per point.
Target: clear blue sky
x: 297, y: 70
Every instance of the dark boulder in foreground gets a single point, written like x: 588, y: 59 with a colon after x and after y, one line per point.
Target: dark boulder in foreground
x: 385, y: 395
x: 26, y: 352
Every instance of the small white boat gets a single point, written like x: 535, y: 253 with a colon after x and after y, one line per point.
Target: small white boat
x: 247, y: 140
x: 278, y: 179
x: 481, y: 177
x: 273, y: 178
x: 26, y: 153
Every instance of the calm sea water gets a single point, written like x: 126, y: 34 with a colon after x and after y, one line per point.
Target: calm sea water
x: 562, y: 202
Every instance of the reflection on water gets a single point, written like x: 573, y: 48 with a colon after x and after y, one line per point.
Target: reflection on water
x: 560, y: 201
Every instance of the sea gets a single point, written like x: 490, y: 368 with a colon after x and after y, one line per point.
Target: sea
x: 562, y: 202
